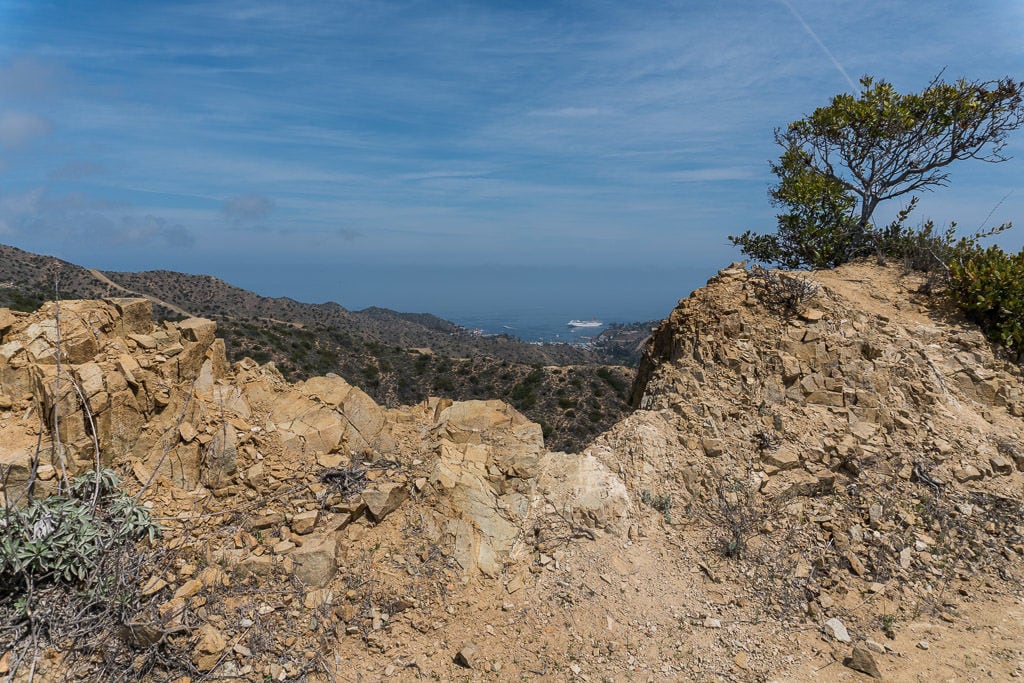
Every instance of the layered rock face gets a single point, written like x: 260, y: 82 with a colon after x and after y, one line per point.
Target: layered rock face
x: 162, y: 401
x: 864, y: 380
x: 112, y: 393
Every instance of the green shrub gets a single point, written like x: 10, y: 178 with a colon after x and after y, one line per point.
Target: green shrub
x: 817, y: 230
x: 988, y: 285
x: 60, y: 538
x: 614, y: 382
x: 661, y: 502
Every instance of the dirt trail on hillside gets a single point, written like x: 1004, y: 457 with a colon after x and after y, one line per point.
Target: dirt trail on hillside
x: 110, y: 283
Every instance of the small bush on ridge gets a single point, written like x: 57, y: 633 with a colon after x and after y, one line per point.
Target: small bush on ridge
x: 60, y: 538
x: 988, y: 286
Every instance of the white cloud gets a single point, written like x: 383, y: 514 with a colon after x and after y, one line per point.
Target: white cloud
x: 75, y: 170
x: 17, y: 129
x: 247, y: 210
x: 39, y: 217
x: 30, y: 78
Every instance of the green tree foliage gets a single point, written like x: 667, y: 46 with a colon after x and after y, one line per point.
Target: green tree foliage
x: 843, y: 160
x: 817, y: 230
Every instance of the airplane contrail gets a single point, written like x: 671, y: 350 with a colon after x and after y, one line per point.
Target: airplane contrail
x: 824, y: 49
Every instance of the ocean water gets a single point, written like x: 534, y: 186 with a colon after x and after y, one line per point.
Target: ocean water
x: 533, y: 303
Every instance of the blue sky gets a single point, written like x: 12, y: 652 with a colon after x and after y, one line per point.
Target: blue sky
x: 191, y: 135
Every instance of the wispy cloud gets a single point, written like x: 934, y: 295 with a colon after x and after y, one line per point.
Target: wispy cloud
x: 18, y: 128
x: 722, y: 174
x: 376, y: 126
x: 30, y: 78
x: 247, y: 210
x: 40, y: 217
x: 75, y: 170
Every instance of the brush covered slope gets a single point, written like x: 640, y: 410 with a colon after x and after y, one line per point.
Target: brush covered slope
x: 834, y: 493
x: 574, y: 393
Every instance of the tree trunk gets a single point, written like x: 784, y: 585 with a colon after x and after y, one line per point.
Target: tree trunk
x: 867, y: 208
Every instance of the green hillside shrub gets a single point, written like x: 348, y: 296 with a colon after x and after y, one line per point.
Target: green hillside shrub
x: 988, y: 285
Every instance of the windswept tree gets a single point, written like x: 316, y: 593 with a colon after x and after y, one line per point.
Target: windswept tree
x: 843, y: 160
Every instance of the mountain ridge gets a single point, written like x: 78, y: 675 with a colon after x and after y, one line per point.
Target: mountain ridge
x: 396, y: 357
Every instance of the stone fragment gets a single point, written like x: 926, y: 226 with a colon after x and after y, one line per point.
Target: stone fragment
x: 862, y: 660
x: 713, y: 447
x: 7, y: 321
x: 144, y: 341
x: 304, y: 522
x: 260, y: 565
x: 836, y: 629
x: 281, y: 547
x: 154, y: 585
x: 856, y: 565
x: 208, y: 649
x: 189, y: 588
x: 875, y: 517
x: 135, y: 315
x: 198, y: 330
x: 383, y: 499
x: 90, y: 379
x: 329, y: 460
x: 1000, y: 465
x: 314, y: 561
x: 171, y: 610
x: 211, y: 640
x: 213, y: 577
x: 220, y: 457
x: 267, y: 521
x: 468, y: 656
x: 826, y: 398
x: 967, y: 473
x: 187, y: 431
x: 317, y: 598
x: 784, y: 458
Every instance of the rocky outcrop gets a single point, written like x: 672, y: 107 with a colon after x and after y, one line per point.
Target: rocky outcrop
x: 105, y: 383
x: 117, y: 382
x: 791, y: 489
x: 866, y: 380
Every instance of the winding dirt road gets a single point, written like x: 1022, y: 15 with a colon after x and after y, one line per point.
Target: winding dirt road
x: 107, y: 281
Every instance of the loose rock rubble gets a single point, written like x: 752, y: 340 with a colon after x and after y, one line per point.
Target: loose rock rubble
x: 793, y: 496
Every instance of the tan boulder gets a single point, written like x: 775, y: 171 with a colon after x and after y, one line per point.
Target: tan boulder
x: 7, y: 320
x: 134, y: 316
x: 220, y: 456
x: 315, y: 560
x: 383, y: 499
x: 198, y: 330
x: 586, y: 491
x: 209, y: 646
